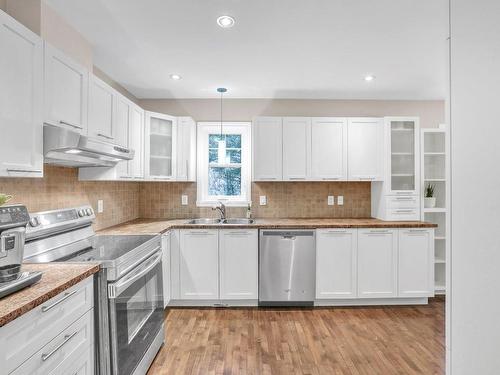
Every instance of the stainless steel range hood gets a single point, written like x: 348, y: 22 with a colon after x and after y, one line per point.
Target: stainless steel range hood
x: 70, y: 149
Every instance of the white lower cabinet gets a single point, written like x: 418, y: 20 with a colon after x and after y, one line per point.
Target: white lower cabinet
x: 199, y: 264
x: 336, y: 263
x: 238, y: 264
x: 377, y: 263
x: 56, y: 337
x: 416, y: 263
x: 165, y: 244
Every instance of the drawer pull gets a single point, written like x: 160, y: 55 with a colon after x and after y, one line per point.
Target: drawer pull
x: 405, y: 211
x: 17, y: 170
x: 66, y: 296
x: 70, y: 124
x: 66, y: 339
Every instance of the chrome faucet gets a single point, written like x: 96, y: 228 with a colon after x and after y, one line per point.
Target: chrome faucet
x: 222, y: 210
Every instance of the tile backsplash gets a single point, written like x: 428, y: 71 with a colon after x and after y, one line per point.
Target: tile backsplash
x: 284, y: 200
x: 125, y: 201
x: 60, y: 188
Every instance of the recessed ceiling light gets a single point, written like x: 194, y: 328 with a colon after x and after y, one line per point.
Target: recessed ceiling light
x: 369, y: 77
x: 175, y: 77
x: 225, y: 21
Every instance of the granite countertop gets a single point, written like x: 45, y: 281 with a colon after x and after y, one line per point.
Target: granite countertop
x: 155, y: 226
x: 56, y: 278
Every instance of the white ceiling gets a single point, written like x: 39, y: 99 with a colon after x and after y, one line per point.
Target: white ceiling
x: 277, y: 49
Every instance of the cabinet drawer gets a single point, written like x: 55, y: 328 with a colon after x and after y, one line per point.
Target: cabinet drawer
x: 63, y: 352
x: 23, y: 337
x: 403, y: 214
x: 402, y: 202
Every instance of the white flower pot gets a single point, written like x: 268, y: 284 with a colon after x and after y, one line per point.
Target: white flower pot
x: 429, y: 202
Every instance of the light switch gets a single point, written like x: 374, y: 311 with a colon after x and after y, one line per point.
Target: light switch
x: 340, y: 200
x: 184, y: 200
x: 263, y: 200
x: 100, y: 206
x: 331, y: 200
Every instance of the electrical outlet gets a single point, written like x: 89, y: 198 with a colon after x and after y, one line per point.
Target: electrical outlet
x: 340, y: 200
x: 331, y: 200
x: 263, y: 200
x: 100, y: 206
x: 184, y: 200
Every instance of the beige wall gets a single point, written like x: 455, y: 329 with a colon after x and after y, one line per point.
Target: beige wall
x: 431, y: 113
x: 3, y: 5
x: 99, y: 73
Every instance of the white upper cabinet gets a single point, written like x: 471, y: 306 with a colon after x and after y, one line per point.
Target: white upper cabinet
x: 402, y: 134
x: 122, y: 126
x: 160, y: 150
x: 336, y: 263
x: 296, y: 148
x: 267, y: 149
x: 21, y: 107
x: 238, y: 264
x: 186, y: 149
x: 329, y: 148
x: 416, y: 263
x: 136, y: 142
x: 199, y: 264
x: 102, y: 109
x: 365, y: 149
x: 377, y: 263
x: 66, y: 86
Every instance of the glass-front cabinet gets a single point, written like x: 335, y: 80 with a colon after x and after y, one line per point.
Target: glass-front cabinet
x: 161, y: 132
x: 403, y: 158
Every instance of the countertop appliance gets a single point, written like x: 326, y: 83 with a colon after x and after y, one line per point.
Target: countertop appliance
x: 128, y: 287
x: 13, y: 220
x: 71, y: 149
x: 287, y: 267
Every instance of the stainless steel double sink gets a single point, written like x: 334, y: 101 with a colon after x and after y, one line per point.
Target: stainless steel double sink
x: 233, y: 221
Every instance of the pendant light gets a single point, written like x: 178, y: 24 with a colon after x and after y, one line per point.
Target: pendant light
x: 221, y: 154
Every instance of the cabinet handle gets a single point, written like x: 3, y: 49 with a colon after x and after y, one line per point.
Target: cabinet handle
x: 126, y: 177
x: 405, y: 211
x: 379, y: 231
x: 70, y: 124
x: 367, y: 178
x: 66, y: 296
x: 296, y: 178
x: 105, y: 136
x: 199, y: 233
x: 330, y: 178
x: 187, y: 170
x: 66, y: 339
x: 239, y: 233
x: 417, y: 230
x: 17, y: 170
x: 332, y: 231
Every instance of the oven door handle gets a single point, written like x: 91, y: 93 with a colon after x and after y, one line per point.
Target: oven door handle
x: 115, y: 289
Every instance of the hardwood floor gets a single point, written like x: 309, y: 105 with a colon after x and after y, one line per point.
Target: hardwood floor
x: 373, y: 340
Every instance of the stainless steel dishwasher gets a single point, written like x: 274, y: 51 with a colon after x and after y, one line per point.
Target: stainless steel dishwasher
x: 287, y: 267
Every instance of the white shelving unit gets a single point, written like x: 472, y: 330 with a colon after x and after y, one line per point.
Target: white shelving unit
x: 435, y: 162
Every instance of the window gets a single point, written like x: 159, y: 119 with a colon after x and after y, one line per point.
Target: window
x: 224, y: 163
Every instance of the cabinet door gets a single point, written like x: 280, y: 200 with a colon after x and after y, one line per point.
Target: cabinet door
x: 267, y: 149
x: 165, y: 244
x: 377, y: 263
x: 365, y: 149
x: 136, y: 142
x: 102, y: 109
x: 66, y: 91
x: 329, y: 148
x: 21, y: 87
x: 336, y: 263
x: 296, y: 148
x: 238, y: 264
x: 186, y: 149
x: 160, y: 147
x: 416, y: 263
x: 199, y: 264
x: 123, y: 124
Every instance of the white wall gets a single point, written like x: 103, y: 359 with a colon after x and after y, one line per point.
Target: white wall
x: 475, y: 142
x: 431, y: 112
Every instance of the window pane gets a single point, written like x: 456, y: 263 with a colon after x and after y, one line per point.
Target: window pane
x: 233, y: 141
x: 224, y: 181
x: 234, y: 156
x: 213, y: 140
x: 212, y: 155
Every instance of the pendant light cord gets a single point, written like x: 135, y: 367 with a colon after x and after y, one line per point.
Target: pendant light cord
x: 221, y: 94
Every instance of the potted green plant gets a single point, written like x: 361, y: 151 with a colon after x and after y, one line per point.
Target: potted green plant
x: 429, y: 198
x: 4, y: 198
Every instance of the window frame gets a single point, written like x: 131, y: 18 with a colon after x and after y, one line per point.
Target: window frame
x: 204, y: 129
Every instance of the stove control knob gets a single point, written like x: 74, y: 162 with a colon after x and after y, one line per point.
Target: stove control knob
x: 81, y: 213
x: 89, y: 211
x: 34, y: 222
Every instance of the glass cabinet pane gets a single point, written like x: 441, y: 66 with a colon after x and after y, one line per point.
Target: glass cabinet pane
x: 160, y: 146
x: 403, y: 155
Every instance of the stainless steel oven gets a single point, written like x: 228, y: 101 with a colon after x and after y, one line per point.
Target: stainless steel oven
x: 135, y: 313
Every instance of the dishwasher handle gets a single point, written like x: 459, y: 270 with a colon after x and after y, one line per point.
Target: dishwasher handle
x: 289, y: 234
